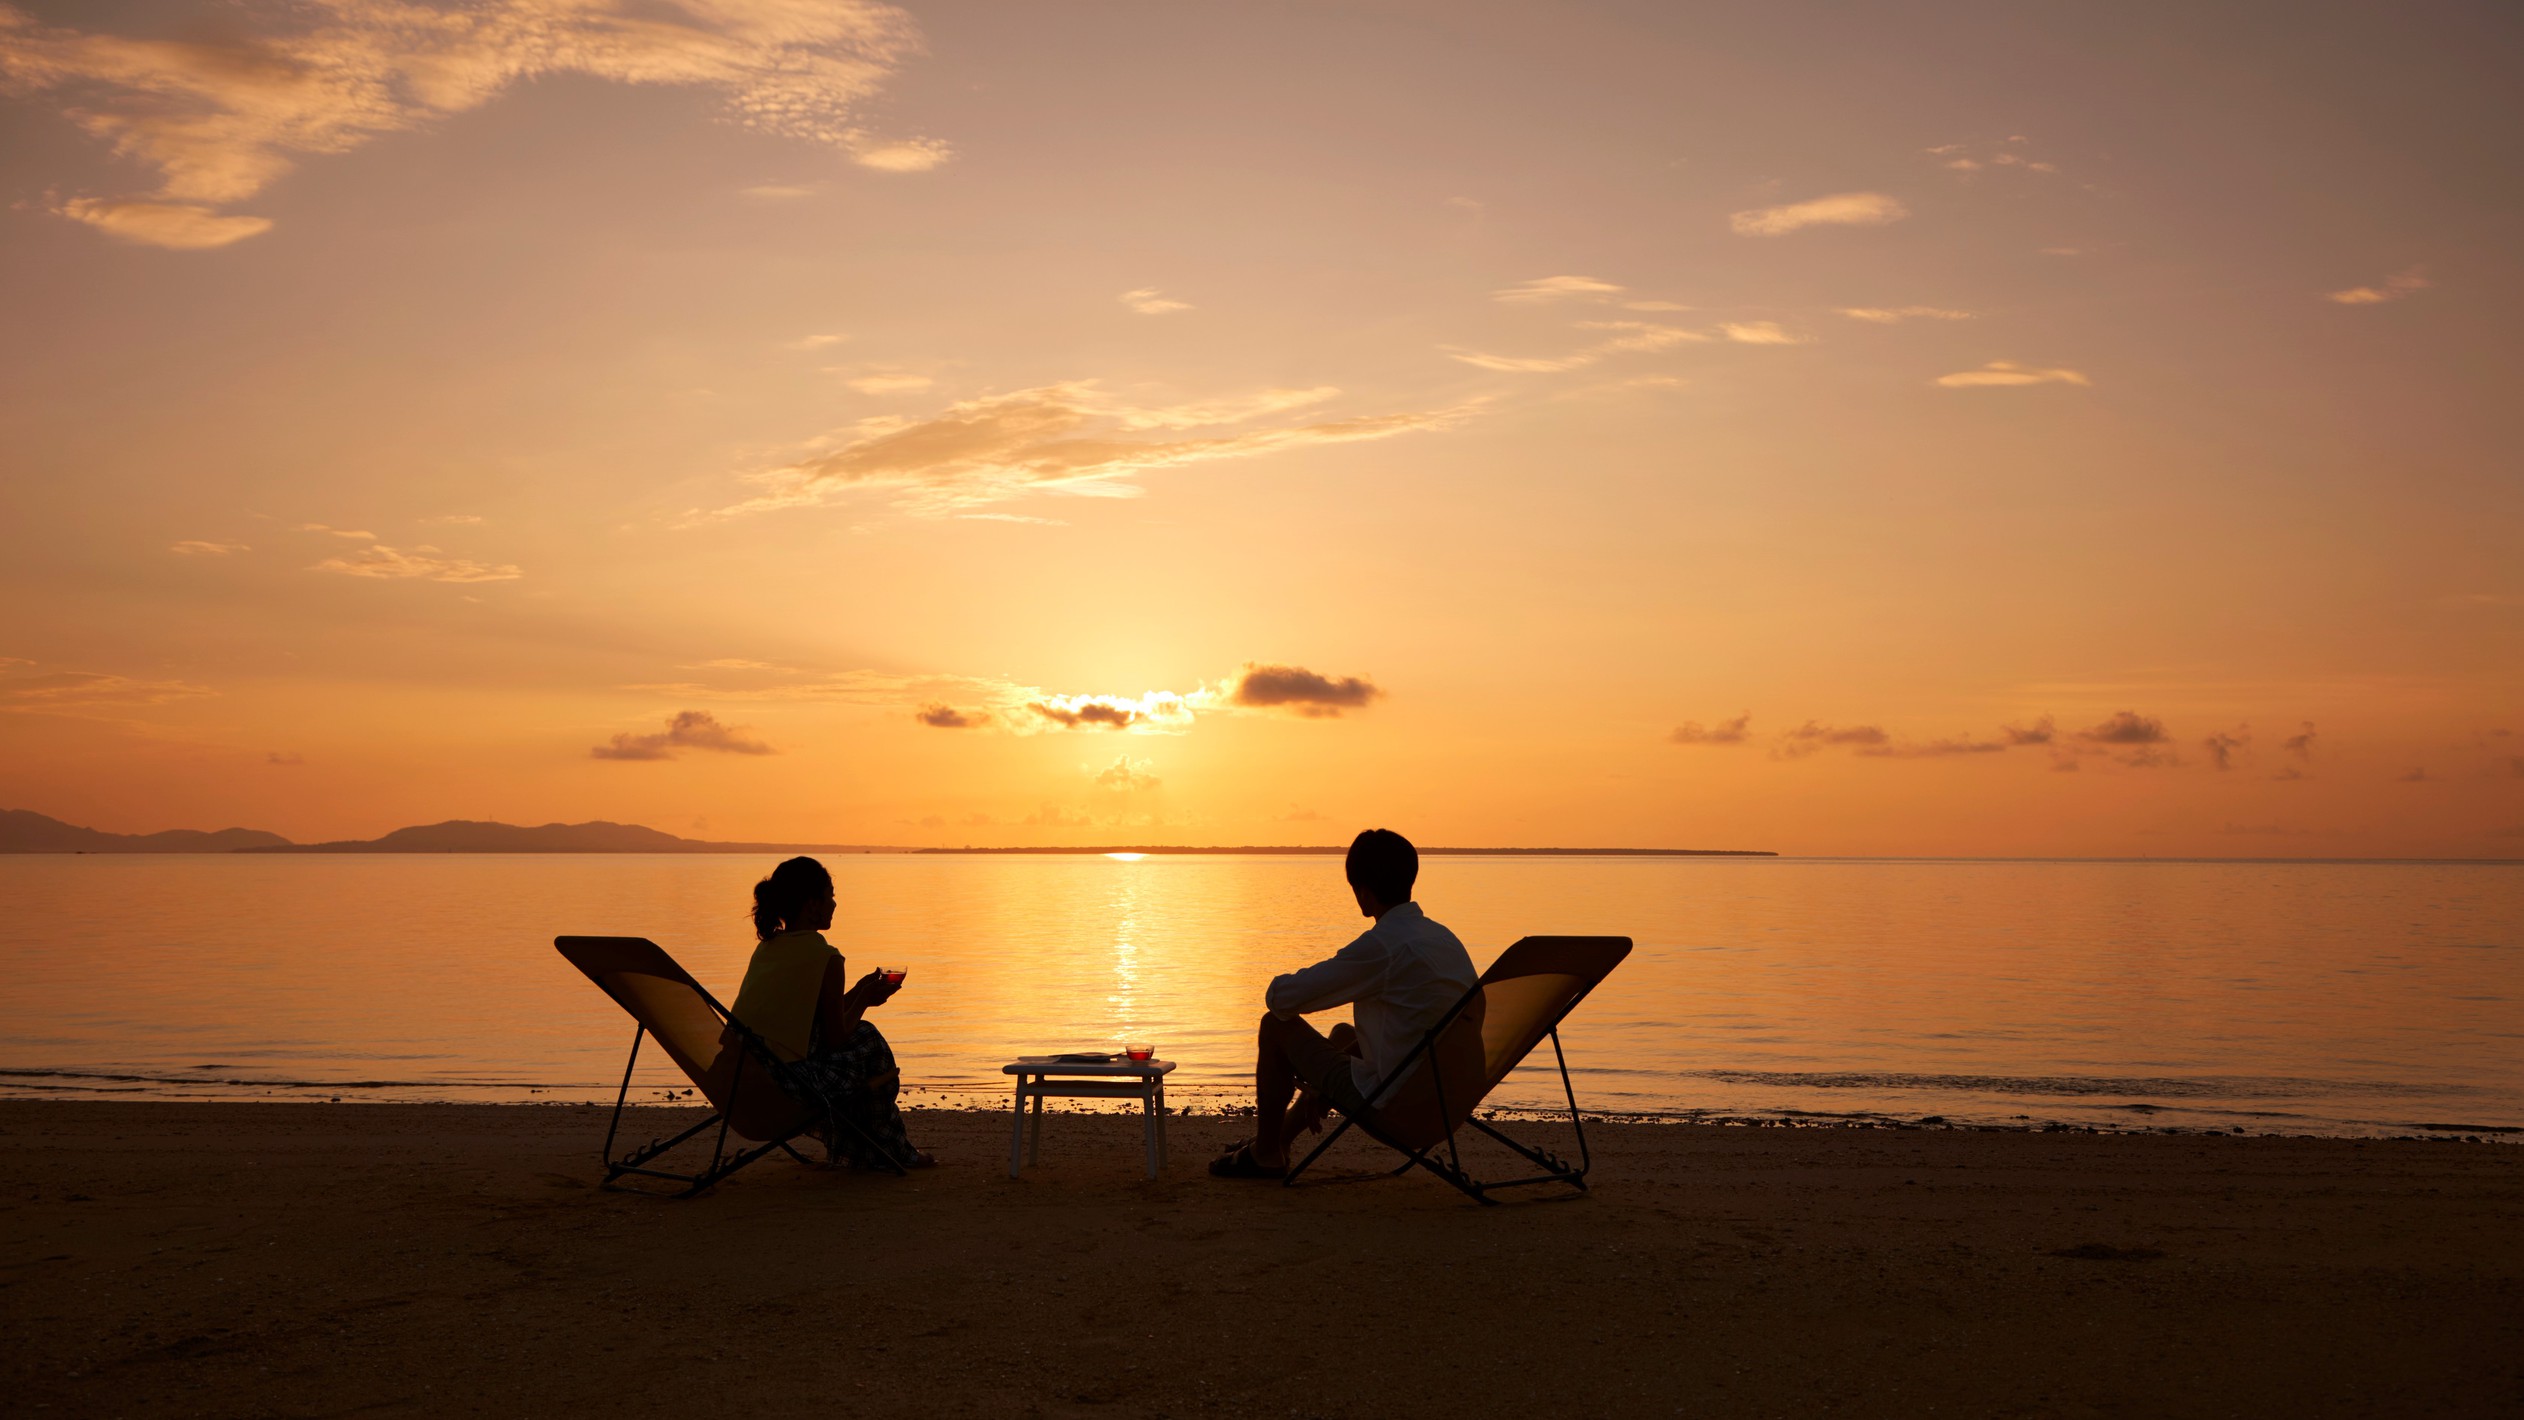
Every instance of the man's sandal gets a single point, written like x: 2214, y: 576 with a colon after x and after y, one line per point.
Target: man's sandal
x: 1240, y: 1163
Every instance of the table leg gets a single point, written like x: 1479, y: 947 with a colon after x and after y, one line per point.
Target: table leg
x: 1016, y: 1132
x: 1034, y: 1147
x: 1161, y: 1122
x: 1148, y: 1128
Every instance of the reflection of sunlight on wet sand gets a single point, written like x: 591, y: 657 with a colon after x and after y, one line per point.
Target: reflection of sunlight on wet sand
x: 1821, y: 985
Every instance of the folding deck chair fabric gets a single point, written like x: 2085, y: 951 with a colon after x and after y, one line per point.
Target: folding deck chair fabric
x: 1522, y: 998
x: 751, y: 1090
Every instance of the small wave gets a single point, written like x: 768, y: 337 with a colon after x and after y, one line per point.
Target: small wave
x: 189, y: 1077
x: 2173, y: 1087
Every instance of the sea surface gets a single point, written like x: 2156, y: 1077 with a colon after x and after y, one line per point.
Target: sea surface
x: 2331, y: 998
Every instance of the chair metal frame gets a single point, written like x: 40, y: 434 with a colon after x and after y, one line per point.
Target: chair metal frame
x: 1554, y: 1168
x: 722, y: 1164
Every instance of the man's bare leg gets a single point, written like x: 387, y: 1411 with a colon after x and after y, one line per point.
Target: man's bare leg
x: 1274, y: 1081
x: 1308, y: 1112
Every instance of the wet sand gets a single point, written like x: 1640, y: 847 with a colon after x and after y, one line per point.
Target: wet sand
x: 241, y: 1259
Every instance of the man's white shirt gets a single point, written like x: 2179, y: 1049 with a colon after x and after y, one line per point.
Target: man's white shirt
x: 1398, y: 978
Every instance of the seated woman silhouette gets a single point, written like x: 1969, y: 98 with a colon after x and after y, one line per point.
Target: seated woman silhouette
x: 793, y: 997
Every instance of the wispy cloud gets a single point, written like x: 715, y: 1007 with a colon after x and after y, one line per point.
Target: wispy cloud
x: 895, y: 383
x: 1811, y: 736
x: 1932, y: 749
x: 1148, y: 302
x: 2040, y: 732
x: 1847, y: 209
x: 2226, y: 746
x: 2127, y: 727
x: 1066, y: 438
x: 177, y: 226
x: 1895, y: 315
x: 691, y: 729
x: 1628, y: 337
x: 83, y: 693
x: 1725, y: 732
x: 2003, y: 374
x: 355, y: 534
x: 1212, y: 413
x: 1159, y: 710
x: 1967, y: 158
x: 193, y: 547
x: 1553, y: 288
x: 939, y: 716
x: 2393, y: 288
x: 1295, y: 688
x: 1126, y: 775
x: 778, y: 191
x: 1760, y: 332
x: 220, y: 119
x: 425, y: 564
x: 816, y: 342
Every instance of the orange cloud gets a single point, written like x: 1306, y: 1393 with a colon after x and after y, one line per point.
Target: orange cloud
x: 1306, y: 692
x: 1064, y: 438
x: 1553, y: 288
x: 947, y: 717
x: 423, y: 564
x: 2395, y: 286
x: 691, y: 729
x: 1847, y: 209
x: 1999, y: 374
x: 1725, y: 732
x: 222, y: 119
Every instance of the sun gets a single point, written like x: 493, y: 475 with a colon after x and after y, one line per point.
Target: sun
x: 1125, y: 857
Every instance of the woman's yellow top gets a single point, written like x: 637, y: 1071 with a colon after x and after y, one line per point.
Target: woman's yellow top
x: 782, y: 985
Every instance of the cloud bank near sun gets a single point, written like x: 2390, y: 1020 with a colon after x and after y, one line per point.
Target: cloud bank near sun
x: 956, y: 702
x: 222, y: 119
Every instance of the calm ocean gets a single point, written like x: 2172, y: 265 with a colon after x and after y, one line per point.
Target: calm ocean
x: 2343, y: 998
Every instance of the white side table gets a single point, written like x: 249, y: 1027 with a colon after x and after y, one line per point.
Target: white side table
x: 1040, y: 1077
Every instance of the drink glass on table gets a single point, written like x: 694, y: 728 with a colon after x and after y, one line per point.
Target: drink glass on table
x: 1139, y: 1054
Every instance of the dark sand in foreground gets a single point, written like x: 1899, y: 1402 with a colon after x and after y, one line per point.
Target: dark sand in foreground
x: 233, y: 1259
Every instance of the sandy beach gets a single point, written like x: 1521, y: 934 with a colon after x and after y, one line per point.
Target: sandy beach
x: 239, y: 1259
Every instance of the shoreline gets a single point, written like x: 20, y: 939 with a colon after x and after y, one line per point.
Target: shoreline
x: 257, y: 1259
x: 1211, y: 1102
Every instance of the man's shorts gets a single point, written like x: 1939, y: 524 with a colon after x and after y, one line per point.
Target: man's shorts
x: 1324, y: 1067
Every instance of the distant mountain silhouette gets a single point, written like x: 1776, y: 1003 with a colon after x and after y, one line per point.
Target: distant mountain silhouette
x: 469, y: 836
x: 23, y: 831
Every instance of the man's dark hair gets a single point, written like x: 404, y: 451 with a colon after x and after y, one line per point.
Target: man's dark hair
x: 1385, y: 864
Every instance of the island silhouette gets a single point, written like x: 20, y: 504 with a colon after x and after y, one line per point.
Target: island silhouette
x: 24, y: 831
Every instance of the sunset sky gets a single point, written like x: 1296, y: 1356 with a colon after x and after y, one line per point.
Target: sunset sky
x: 1930, y: 429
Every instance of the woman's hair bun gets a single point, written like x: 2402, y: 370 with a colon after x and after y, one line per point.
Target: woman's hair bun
x: 781, y: 900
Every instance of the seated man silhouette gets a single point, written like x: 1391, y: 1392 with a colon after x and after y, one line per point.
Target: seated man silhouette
x: 1398, y: 979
